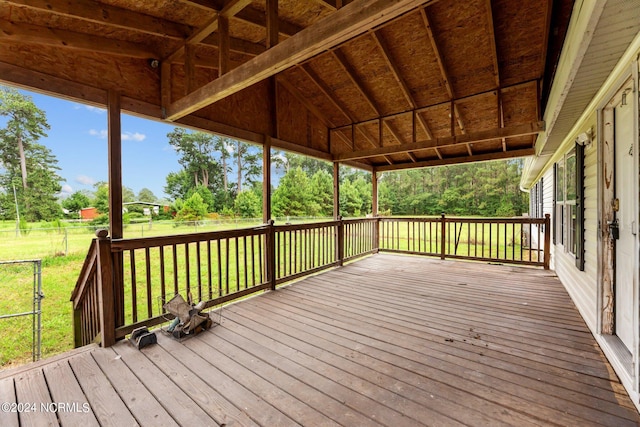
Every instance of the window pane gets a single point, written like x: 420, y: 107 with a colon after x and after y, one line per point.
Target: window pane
x: 570, y: 173
x: 560, y: 182
x: 571, y: 232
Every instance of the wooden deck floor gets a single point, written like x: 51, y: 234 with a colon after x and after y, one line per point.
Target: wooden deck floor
x: 388, y: 340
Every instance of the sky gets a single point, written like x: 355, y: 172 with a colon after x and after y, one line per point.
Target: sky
x: 78, y: 139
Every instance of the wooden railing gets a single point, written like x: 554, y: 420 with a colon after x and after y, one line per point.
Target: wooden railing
x: 501, y: 240
x: 124, y: 283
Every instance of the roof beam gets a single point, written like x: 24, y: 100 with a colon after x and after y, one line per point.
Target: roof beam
x: 272, y: 23
x: 37, y: 34
x: 443, y: 69
x: 386, y: 55
x: 326, y: 91
x: 259, y: 19
x: 469, y: 138
x: 346, y: 23
x: 456, y: 160
x: 231, y: 8
x: 100, y: 13
x: 348, y: 69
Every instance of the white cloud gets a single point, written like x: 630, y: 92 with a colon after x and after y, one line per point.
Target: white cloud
x: 66, y: 190
x: 97, y: 110
x: 126, y: 136
x: 133, y: 136
x: 85, y: 180
x: 102, y: 134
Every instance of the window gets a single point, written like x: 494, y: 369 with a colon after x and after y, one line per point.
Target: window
x: 569, y: 210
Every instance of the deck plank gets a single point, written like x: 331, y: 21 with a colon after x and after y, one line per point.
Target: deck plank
x: 65, y: 389
x: 143, y: 405
x: 105, y: 402
x: 8, y: 417
x: 175, y: 400
x: 297, y: 345
x: 32, y: 392
x: 388, y: 340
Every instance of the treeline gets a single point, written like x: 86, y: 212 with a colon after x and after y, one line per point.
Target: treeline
x: 481, y: 189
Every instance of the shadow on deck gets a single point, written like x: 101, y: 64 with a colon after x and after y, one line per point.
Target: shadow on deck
x: 388, y: 340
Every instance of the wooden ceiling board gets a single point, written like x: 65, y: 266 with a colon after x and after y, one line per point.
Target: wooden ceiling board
x: 462, y: 38
x: 520, y: 31
x: 342, y: 88
x: 373, y: 73
x: 370, y: 70
x: 408, y: 43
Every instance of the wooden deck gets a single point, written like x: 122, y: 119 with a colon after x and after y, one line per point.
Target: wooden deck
x: 389, y: 340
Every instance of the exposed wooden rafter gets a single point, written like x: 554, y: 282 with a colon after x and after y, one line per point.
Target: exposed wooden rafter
x: 326, y: 91
x: 496, y: 67
x: 455, y: 160
x: 506, y: 132
x: 272, y: 23
x: 230, y: 9
x: 350, y: 72
x: 341, y: 26
x: 100, y: 13
x: 443, y: 70
x: 38, y: 34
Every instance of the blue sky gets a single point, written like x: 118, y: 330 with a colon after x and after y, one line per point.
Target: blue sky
x: 78, y: 139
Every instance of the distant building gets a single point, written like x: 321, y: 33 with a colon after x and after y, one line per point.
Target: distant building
x: 89, y: 213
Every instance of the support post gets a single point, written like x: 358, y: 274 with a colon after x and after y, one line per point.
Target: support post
x: 336, y: 190
x: 270, y: 252
x: 266, y: 180
x: 374, y: 211
x: 106, y: 292
x: 115, y: 200
x: 547, y: 241
x: 340, y: 242
x: 443, y: 233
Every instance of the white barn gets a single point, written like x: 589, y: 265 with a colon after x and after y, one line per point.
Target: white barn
x: 585, y: 175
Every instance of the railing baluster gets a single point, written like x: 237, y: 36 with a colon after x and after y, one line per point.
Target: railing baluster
x: 175, y: 269
x: 147, y: 257
x: 163, y: 291
x: 219, y: 262
x: 187, y: 268
x: 226, y: 264
x: 134, y: 296
x: 199, y: 271
x: 237, y: 265
x: 209, y: 272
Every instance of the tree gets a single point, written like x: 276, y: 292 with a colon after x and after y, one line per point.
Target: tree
x: 248, y: 204
x: 146, y: 195
x: 101, y: 201
x: 193, y: 209
x: 205, y: 195
x: 292, y: 196
x: 76, y: 201
x: 321, y: 189
x: 26, y: 124
x: 247, y: 164
x: 28, y: 167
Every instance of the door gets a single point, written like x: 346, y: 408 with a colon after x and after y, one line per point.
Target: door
x: 624, y: 217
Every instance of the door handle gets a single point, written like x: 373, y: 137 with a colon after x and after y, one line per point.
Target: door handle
x: 614, y: 229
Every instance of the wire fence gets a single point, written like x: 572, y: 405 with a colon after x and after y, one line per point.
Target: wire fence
x: 21, y: 310
x: 75, y: 237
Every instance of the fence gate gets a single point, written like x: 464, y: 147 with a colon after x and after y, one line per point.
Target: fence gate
x: 20, y: 297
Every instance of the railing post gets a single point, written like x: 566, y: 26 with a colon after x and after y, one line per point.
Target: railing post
x: 547, y: 241
x: 106, y: 295
x: 270, y: 252
x: 340, y: 241
x: 376, y: 235
x: 443, y: 232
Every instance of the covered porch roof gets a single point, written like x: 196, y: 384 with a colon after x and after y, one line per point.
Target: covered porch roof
x: 378, y: 84
x: 376, y: 342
